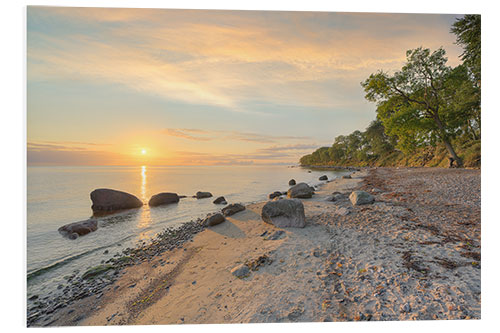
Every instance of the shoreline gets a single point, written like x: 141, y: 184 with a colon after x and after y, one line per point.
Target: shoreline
x: 307, y: 270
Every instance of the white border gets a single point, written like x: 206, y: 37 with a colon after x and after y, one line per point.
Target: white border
x: 13, y: 135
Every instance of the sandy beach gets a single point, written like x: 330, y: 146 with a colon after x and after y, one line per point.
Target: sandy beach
x: 414, y: 254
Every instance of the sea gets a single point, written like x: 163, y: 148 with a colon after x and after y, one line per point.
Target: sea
x: 60, y: 195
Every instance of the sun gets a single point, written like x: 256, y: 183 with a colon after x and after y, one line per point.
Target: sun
x: 144, y: 151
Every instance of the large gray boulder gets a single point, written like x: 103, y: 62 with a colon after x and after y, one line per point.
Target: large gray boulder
x: 105, y: 200
x: 232, y: 209
x: 214, y: 219
x: 301, y: 190
x: 284, y: 213
x: 361, y: 198
x: 76, y: 229
x: 201, y: 195
x: 163, y: 199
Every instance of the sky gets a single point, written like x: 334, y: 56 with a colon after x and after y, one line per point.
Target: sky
x: 207, y: 87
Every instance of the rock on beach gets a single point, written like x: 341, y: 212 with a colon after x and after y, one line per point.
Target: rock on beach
x: 232, y: 209
x: 284, y: 213
x: 106, y: 200
x: 76, y: 229
x: 214, y: 219
x: 292, y: 182
x: 361, y: 198
x: 163, y: 199
x: 301, y: 190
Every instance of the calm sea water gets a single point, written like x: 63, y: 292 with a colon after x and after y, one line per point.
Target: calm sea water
x: 61, y: 195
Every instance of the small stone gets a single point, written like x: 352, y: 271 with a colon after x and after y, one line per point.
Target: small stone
x: 241, y: 271
x: 406, y: 308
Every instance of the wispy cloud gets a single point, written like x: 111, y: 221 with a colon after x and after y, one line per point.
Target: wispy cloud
x: 225, y: 58
x: 187, y: 134
x: 206, y: 135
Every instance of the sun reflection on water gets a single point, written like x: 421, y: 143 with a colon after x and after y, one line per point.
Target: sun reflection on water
x: 143, y: 183
x: 145, y: 218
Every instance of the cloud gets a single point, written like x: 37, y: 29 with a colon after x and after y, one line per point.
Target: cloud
x: 62, y: 145
x: 185, y: 134
x: 226, y: 58
x: 71, y: 154
x: 290, y: 148
x: 194, y: 134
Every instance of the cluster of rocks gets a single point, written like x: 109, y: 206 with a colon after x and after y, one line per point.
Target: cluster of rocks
x: 243, y: 270
x: 106, y: 201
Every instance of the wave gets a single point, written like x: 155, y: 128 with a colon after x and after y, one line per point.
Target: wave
x: 67, y: 260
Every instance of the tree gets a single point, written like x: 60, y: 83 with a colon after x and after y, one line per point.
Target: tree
x: 468, y: 31
x: 413, y: 103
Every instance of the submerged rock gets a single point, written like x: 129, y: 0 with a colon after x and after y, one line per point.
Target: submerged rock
x: 301, y: 190
x: 275, y: 194
x: 284, y: 213
x: 201, y: 195
x: 324, y: 177
x: 76, y: 229
x: 232, y: 209
x: 220, y: 201
x: 94, y: 271
x: 361, y: 198
x: 106, y: 200
x: 163, y: 199
x: 214, y: 219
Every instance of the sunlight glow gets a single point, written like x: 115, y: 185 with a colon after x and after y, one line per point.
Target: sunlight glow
x: 144, y: 151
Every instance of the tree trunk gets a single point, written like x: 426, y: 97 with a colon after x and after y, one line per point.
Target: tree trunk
x: 446, y: 141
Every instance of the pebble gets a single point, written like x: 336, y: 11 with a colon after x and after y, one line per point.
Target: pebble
x: 406, y: 308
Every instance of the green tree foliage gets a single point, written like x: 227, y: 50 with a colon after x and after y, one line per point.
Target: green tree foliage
x: 426, y: 108
x: 355, y: 148
x: 468, y: 31
x: 416, y: 102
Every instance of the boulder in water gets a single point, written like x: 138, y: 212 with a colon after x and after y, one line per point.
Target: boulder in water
x: 105, y: 200
x: 220, y: 201
x: 275, y: 194
x: 284, y: 213
x: 76, y: 229
x: 301, y: 190
x: 232, y: 209
x: 201, y: 195
x: 163, y: 199
x: 292, y: 182
x: 324, y: 177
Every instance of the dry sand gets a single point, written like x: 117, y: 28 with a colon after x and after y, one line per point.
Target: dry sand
x: 413, y: 254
